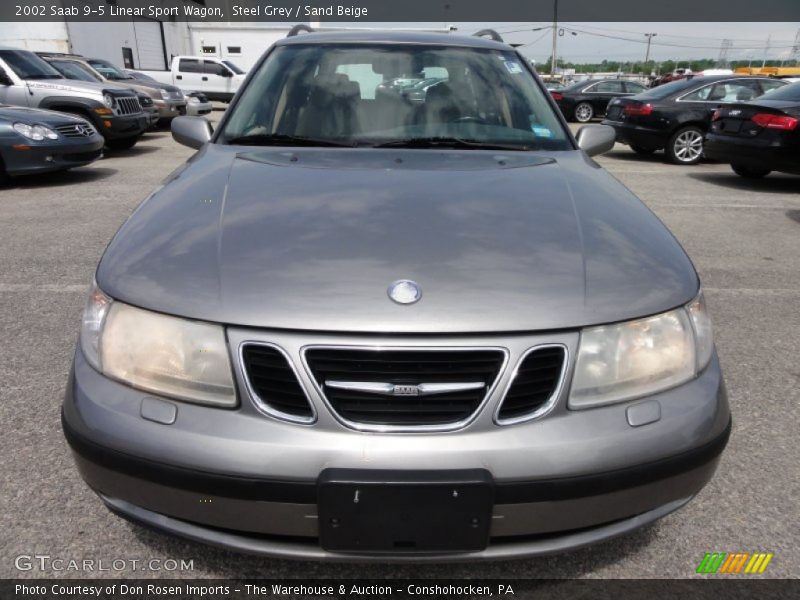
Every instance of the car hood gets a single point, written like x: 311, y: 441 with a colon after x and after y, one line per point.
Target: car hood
x: 312, y: 238
x: 36, y: 115
x: 75, y: 85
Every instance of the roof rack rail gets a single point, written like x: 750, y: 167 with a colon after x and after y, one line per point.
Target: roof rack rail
x: 490, y: 33
x: 298, y: 28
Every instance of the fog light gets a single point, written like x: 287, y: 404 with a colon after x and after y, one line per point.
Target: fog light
x: 107, y: 123
x: 49, y: 158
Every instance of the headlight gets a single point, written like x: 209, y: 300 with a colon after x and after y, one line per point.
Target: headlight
x: 642, y: 357
x: 35, y: 132
x: 109, y: 100
x: 170, y: 356
x: 164, y: 94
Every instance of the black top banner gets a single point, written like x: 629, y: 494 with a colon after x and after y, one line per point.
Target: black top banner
x: 401, y: 10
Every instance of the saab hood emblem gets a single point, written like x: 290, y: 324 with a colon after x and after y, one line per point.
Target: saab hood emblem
x: 404, y: 291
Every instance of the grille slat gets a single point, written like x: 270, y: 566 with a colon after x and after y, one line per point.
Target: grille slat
x: 408, y: 367
x: 75, y: 130
x: 274, y: 382
x: 535, y: 383
x: 128, y: 106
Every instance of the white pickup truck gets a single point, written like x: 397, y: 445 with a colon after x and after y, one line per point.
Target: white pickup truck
x: 218, y: 79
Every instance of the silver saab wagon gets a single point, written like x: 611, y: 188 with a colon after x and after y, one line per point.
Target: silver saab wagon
x: 391, y: 310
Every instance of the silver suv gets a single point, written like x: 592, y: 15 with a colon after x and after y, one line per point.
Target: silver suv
x: 362, y: 323
x: 27, y: 80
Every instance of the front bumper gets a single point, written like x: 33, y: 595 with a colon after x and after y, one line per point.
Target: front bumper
x: 122, y: 126
x: 169, y: 109
x: 47, y: 157
x: 244, y: 480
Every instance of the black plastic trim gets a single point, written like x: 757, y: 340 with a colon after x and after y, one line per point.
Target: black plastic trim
x: 305, y: 492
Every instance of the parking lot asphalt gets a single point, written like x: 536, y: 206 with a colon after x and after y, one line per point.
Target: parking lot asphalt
x: 743, y: 236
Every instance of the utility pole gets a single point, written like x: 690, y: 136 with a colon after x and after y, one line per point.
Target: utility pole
x: 649, y: 37
x: 555, y: 38
x: 766, y: 51
x: 724, y: 49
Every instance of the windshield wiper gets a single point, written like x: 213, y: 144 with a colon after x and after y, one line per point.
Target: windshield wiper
x: 280, y: 139
x: 449, y: 142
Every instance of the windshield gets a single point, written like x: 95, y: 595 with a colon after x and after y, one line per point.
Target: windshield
x: 109, y: 71
x: 673, y: 87
x: 790, y: 93
x: 370, y: 95
x: 233, y: 67
x: 28, y: 66
x: 73, y: 70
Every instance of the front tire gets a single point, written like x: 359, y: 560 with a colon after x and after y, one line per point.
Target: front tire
x: 5, y: 178
x: 685, y: 146
x: 123, y: 143
x: 749, y: 172
x: 584, y: 112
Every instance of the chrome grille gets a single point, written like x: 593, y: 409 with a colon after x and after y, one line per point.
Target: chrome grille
x: 535, y: 384
x: 273, y: 384
x: 128, y: 106
x: 75, y: 130
x: 405, y: 388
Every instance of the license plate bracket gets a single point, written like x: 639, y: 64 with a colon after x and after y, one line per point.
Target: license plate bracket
x: 404, y: 511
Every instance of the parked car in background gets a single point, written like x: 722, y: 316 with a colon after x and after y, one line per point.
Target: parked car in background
x: 356, y: 328
x: 38, y: 141
x: 585, y: 100
x: 217, y: 79
x: 27, y: 80
x: 197, y: 103
x: 676, y: 116
x: 760, y: 136
x: 168, y: 100
x: 72, y: 69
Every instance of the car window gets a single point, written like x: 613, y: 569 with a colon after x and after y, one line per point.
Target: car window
x: 109, y: 71
x: 189, y: 65
x: 700, y: 94
x: 770, y: 85
x: 73, y: 70
x: 214, y: 68
x: 789, y: 93
x: 27, y: 65
x: 369, y: 95
x: 233, y: 67
x: 634, y: 88
x: 668, y: 89
x: 734, y: 91
x: 607, y: 87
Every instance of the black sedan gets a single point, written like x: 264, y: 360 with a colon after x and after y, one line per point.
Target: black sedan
x: 36, y: 141
x: 676, y: 116
x: 756, y: 138
x: 585, y: 100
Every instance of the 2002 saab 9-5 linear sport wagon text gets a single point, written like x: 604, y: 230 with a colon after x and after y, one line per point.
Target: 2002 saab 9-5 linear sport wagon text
x: 357, y: 325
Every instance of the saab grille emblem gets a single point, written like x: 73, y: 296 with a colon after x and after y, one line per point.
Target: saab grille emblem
x: 381, y: 388
x: 404, y: 291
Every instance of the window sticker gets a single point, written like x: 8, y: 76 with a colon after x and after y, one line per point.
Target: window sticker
x: 513, y: 67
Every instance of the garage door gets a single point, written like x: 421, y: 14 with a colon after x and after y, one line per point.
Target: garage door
x: 150, y: 45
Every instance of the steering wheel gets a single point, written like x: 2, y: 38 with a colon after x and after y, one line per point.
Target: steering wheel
x: 470, y: 119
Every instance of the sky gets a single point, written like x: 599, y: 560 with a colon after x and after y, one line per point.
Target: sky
x: 681, y: 41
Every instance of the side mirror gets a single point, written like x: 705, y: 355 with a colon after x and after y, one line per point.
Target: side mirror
x: 225, y: 73
x: 4, y: 78
x: 596, y: 139
x: 191, y: 131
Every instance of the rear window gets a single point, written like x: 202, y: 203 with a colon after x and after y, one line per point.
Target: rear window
x: 662, y: 91
x: 788, y: 93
